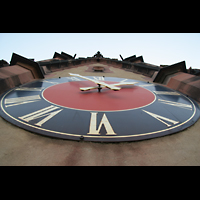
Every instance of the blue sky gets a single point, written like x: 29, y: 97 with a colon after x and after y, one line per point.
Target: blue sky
x: 156, y: 48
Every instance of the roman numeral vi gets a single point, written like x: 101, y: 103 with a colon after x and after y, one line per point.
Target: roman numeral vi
x: 94, y: 130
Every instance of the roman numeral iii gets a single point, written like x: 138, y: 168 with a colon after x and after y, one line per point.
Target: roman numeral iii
x: 161, y: 118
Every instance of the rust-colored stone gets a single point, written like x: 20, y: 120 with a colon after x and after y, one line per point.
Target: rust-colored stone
x: 13, y: 76
x: 187, y: 84
x: 26, y: 63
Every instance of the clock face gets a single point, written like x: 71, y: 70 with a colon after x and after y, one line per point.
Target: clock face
x: 57, y: 108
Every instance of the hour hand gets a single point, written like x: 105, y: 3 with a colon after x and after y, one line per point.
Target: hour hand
x: 125, y: 83
x: 100, y: 83
x: 88, y: 88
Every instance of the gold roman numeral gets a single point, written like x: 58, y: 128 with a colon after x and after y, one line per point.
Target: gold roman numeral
x: 21, y: 100
x: 98, y: 78
x: 180, y: 105
x: 166, y: 93
x: 74, y: 78
x: 162, y: 119
x: 41, y: 113
x: 29, y: 89
x: 49, y: 82
x: 93, y: 125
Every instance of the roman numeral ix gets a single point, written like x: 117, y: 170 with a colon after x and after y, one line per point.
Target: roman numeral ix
x: 49, y: 112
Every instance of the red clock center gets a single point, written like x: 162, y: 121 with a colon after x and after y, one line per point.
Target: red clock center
x: 69, y: 95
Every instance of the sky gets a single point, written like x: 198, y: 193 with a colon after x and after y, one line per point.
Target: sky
x: 156, y: 48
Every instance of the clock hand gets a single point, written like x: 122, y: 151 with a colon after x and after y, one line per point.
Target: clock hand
x: 89, y: 88
x: 116, y: 84
x: 77, y: 75
x: 112, y: 87
x: 124, y: 83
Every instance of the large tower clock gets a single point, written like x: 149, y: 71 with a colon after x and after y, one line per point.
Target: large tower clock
x: 95, y: 108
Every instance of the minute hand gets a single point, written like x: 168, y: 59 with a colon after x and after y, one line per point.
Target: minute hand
x: 97, y: 82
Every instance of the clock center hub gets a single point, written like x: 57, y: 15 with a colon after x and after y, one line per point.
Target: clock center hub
x: 69, y: 95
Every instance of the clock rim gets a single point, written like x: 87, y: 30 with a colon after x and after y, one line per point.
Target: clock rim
x: 62, y: 135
